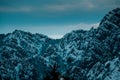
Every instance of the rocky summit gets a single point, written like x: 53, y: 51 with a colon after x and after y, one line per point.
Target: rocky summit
x: 79, y: 55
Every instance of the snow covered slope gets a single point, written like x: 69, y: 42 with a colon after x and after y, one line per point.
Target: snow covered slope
x: 79, y: 55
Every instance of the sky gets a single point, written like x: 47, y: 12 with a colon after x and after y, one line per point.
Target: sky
x: 54, y: 18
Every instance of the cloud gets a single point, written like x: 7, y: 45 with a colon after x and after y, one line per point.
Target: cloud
x: 55, y: 8
x: 68, y: 7
x: 80, y: 5
x: 84, y: 26
x: 55, y: 36
x: 14, y: 9
x: 57, y: 5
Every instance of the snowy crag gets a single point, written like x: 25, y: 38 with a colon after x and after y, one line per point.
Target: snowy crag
x: 79, y: 55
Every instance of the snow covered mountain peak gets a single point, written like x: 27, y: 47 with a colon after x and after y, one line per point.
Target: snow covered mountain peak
x: 79, y: 55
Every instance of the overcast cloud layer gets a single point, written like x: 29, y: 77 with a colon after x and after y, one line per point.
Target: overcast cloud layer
x: 52, y: 14
x: 56, y: 5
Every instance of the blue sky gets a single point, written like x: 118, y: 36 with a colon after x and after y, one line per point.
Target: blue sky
x: 52, y: 17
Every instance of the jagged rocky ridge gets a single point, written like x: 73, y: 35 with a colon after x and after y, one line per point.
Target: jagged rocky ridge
x: 79, y: 55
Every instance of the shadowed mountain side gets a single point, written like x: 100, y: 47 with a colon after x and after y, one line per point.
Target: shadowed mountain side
x: 79, y: 55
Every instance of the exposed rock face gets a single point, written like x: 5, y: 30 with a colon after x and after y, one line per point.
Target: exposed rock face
x: 113, y: 17
x: 79, y: 55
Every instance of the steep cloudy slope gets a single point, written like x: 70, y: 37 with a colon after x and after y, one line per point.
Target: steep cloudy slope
x: 79, y: 55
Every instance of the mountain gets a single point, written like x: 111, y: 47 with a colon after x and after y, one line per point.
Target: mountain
x: 79, y: 55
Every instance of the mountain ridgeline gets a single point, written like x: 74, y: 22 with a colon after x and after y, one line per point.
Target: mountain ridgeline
x: 79, y: 55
